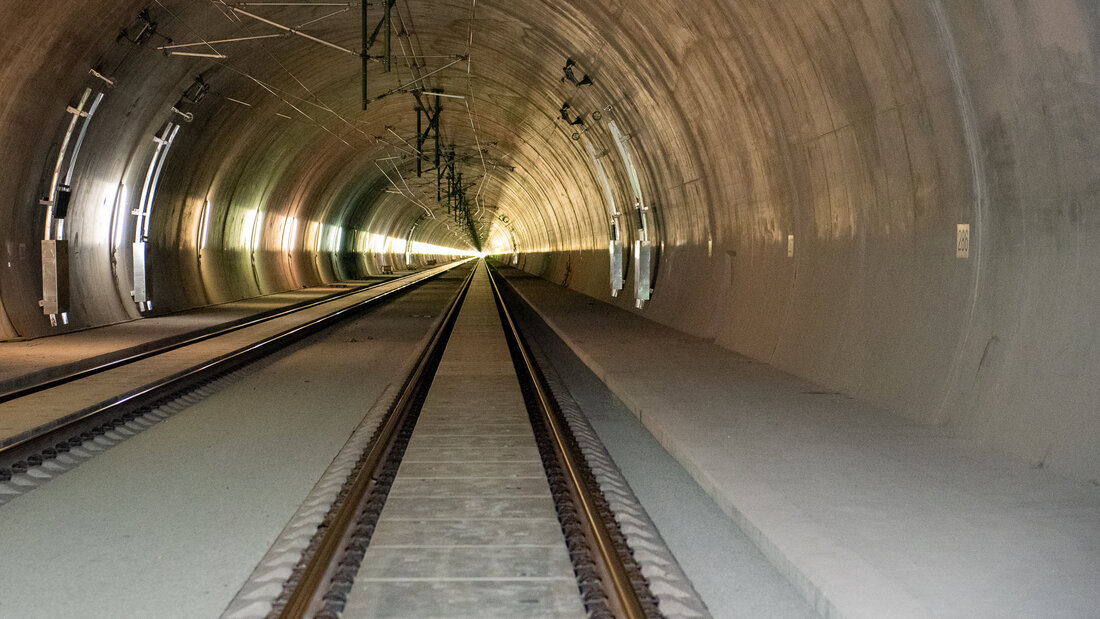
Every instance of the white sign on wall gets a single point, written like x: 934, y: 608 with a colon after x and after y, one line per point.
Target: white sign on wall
x: 962, y: 241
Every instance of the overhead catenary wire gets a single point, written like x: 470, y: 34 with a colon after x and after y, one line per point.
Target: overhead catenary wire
x: 411, y: 198
x: 272, y: 90
x: 314, y: 99
x: 413, y: 61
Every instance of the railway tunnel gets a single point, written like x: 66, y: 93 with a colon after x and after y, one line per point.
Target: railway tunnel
x: 821, y: 275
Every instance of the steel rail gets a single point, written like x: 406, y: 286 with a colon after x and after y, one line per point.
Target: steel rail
x: 60, y: 430
x: 623, y: 599
x: 305, y: 600
x: 20, y: 392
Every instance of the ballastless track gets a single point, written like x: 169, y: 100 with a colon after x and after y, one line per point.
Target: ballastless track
x: 49, y: 421
x: 491, y: 507
x: 437, y: 517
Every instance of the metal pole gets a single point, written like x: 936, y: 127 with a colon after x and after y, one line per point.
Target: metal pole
x: 438, y: 171
x: 419, y: 146
x: 389, y: 28
x: 363, y: 55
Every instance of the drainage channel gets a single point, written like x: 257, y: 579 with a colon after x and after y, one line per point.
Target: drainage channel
x: 470, y: 499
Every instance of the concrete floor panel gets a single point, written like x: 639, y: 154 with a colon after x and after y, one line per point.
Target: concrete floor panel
x: 497, y: 599
x: 450, y: 427
x: 412, y: 487
x: 490, y: 444
x: 470, y: 454
x: 458, y: 532
x: 460, y: 470
x: 470, y: 562
x: 469, y: 528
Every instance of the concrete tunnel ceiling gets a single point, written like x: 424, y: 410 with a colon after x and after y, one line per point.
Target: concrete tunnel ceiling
x: 896, y: 200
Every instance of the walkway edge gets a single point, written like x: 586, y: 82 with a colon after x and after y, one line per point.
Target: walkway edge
x: 832, y: 578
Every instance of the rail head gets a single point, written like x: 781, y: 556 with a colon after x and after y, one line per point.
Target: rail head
x: 622, y: 596
x: 19, y: 447
x: 112, y: 364
x: 306, y: 598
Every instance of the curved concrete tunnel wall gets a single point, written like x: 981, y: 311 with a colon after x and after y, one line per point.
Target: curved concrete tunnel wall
x: 867, y: 130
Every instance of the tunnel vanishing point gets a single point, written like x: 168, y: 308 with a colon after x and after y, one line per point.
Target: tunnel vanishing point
x: 895, y: 200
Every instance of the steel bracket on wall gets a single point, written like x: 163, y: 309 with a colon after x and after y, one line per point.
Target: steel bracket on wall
x: 140, y: 293
x: 643, y: 247
x: 643, y: 260
x: 55, y: 277
x: 616, y: 244
x: 55, y: 254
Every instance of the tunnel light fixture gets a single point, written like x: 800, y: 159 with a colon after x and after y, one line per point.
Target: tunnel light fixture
x: 106, y: 214
x: 121, y: 206
x: 204, y: 225
x: 246, y: 228
x: 290, y: 233
x: 335, y: 237
x: 409, y: 241
x: 251, y: 227
x: 257, y: 231
x: 313, y: 236
x: 377, y: 244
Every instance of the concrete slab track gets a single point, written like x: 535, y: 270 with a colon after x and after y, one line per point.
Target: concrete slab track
x: 457, y: 542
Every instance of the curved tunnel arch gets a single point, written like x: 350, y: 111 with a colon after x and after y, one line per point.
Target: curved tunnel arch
x: 807, y: 165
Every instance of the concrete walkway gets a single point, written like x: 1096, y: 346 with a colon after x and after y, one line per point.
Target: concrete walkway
x: 24, y: 362
x: 868, y: 514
